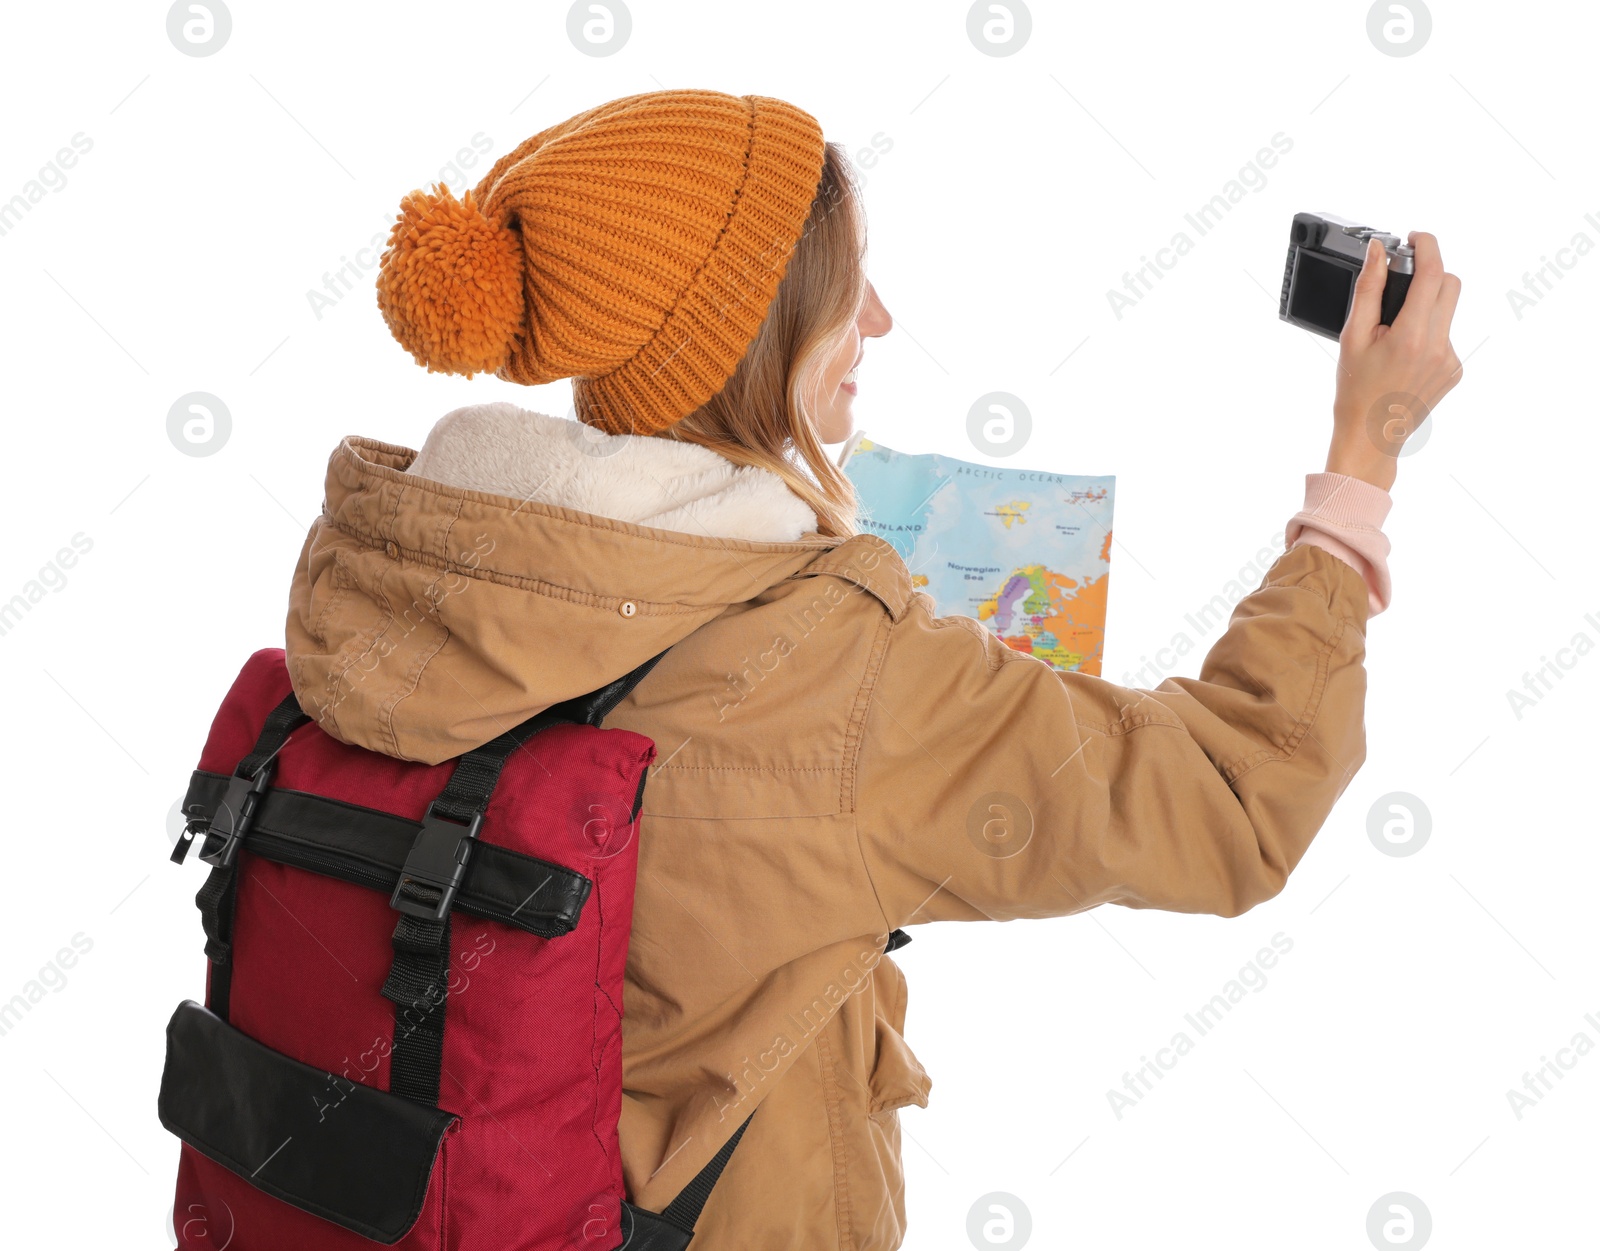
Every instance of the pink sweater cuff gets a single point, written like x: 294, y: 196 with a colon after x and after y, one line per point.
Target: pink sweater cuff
x: 1345, y: 515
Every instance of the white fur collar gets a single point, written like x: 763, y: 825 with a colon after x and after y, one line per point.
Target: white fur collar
x: 505, y: 450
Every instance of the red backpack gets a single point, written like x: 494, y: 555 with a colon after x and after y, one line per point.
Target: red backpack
x: 412, y: 1032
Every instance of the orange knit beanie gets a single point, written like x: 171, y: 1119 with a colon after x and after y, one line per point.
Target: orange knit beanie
x: 637, y: 245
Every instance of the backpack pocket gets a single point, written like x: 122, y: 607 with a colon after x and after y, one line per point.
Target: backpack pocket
x: 359, y: 1157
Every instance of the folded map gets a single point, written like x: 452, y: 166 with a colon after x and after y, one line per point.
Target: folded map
x: 1025, y: 552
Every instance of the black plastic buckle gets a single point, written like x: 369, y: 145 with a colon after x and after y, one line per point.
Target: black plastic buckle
x: 241, y: 800
x: 438, y: 862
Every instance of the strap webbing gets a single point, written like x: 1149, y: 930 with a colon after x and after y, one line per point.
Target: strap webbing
x: 472, y: 783
x: 418, y: 985
x: 216, y: 897
x: 685, y: 1210
x: 281, y: 722
x: 215, y: 902
x: 419, y: 979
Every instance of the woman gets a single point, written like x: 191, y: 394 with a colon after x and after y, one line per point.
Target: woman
x: 835, y: 760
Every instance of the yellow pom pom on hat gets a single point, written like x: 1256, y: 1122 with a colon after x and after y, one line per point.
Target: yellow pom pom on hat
x: 637, y: 245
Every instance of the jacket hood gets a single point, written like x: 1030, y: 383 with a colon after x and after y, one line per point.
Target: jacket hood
x: 518, y: 560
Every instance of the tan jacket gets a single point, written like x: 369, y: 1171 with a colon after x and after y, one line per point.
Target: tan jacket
x: 835, y: 761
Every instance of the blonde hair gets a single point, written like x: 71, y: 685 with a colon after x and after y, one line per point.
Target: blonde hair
x: 763, y: 415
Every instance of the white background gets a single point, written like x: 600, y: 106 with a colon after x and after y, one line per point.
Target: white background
x: 1015, y: 192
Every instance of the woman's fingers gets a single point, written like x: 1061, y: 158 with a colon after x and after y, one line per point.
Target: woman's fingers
x: 1444, y: 309
x: 1426, y: 278
x: 1366, y: 305
x: 1448, y: 368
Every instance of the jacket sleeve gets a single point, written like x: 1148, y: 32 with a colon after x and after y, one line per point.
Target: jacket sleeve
x: 991, y: 786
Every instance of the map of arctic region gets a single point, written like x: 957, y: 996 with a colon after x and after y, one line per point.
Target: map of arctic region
x: 1025, y: 552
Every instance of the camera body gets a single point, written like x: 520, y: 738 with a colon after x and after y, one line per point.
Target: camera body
x: 1319, y: 277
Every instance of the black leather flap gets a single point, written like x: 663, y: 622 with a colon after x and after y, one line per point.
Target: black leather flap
x: 356, y: 1156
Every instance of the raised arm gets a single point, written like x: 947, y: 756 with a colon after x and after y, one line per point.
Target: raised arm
x: 992, y: 786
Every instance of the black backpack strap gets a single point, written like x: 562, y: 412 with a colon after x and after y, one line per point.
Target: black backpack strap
x: 419, y: 978
x: 672, y: 1228
x: 232, y: 820
x: 438, y: 862
x: 418, y: 985
x: 685, y: 1209
x: 593, y: 708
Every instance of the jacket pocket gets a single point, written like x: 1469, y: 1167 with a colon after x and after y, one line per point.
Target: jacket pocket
x: 897, y: 1078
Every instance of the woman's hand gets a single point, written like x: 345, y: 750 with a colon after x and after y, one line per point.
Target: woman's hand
x: 1390, y: 377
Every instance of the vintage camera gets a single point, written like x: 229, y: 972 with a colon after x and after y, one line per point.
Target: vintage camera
x: 1319, y: 278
